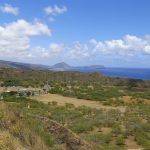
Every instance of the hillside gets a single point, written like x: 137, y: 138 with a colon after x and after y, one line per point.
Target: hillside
x: 29, y: 124
x: 70, y: 76
x: 88, y: 111
x: 22, y: 66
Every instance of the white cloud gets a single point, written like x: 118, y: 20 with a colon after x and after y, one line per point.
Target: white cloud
x: 15, y: 40
x: 127, y: 46
x: 6, y: 8
x: 38, y: 52
x: 123, y: 48
x: 147, y: 49
x: 78, y: 51
x: 55, y: 10
x: 56, y: 48
x: 15, y: 37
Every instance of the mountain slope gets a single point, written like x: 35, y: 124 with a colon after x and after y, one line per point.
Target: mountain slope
x: 23, y: 66
x: 61, y: 65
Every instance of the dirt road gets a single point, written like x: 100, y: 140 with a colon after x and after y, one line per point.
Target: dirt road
x: 61, y: 100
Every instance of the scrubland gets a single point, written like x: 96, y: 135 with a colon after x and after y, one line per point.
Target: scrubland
x: 86, y: 109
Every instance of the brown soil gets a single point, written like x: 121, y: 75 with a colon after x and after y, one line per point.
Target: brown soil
x: 106, y: 130
x: 131, y: 144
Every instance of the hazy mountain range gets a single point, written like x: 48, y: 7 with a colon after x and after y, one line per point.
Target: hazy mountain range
x: 57, y: 67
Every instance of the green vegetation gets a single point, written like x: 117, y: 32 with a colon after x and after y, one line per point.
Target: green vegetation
x: 86, y: 122
x: 90, y: 86
x: 120, y: 140
x: 114, y: 102
x: 106, y: 129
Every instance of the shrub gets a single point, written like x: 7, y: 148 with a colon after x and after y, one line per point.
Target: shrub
x: 120, y: 140
x: 142, y: 139
x: 56, y: 89
x: 54, y: 103
x: 1, y: 115
x: 69, y: 105
x: 116, y: 129
x: 82, y: 126
x: 100, y: 138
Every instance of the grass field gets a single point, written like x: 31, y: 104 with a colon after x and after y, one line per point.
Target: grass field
x: 62, y: 100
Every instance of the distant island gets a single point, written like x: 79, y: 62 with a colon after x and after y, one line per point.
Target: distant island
x: 62, y: 66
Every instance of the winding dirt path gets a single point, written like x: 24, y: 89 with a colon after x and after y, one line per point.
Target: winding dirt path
x: 62, y: 100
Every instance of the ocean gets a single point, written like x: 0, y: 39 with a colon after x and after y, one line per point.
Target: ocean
x: 133, y: 73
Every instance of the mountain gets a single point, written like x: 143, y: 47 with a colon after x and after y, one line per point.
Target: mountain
x: 56, y: 67
x: 64, y: 66
x: 61, y: 65
x: 23, y: 66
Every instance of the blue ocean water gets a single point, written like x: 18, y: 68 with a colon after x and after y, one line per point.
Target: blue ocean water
x: 133, y: 73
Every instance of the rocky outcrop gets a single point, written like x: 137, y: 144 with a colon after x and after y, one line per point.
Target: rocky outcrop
x: 65, y: 136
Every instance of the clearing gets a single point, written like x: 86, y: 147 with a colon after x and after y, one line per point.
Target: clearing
x: 62, y: 100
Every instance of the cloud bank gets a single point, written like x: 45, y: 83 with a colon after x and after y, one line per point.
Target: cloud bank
x: 15, y: 40
x: 15, y: 37
x: 128, y: 46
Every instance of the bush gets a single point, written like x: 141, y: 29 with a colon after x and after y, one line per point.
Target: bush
x: 82, y: 126
x: 54, y: 103
x: 1, y: 115
x: 100, y: 138
x: 69, y: 105
x: 142, y: 139
x: 120, y: 140
x: 116, y: 129
x: 56, y: 89
x: 114, y: 102
x: 12, y: 82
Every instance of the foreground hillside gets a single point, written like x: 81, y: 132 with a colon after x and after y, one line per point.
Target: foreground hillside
x: 24, y: 127
x: 28, y: 124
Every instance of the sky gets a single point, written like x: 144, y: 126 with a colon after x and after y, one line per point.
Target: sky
x: 113, y: 33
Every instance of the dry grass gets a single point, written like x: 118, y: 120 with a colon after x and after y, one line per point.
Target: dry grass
x: 61, y: 100
x: 129, y: 99
x: 15, y: 133
x: 9, y: 142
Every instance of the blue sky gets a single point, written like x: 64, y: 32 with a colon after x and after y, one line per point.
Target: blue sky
x: 114, y: 33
